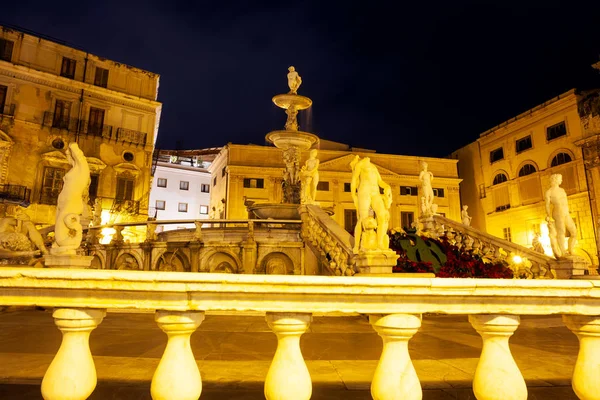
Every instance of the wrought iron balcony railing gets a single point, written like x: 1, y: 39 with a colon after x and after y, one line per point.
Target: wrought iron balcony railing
x: 94, y: 129
x: 15, y: 194
x: 125, y: 206
x: 49, y: 196
x: 52, y: 120
x: 129, y: 135
x: 8, y: 110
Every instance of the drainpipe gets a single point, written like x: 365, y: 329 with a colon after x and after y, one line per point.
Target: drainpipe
x: 81, y: 100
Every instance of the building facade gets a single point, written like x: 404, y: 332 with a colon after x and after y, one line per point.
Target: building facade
x: 52, y: 94
x: 507, y: 171
x: 181, y: 186
x: 243, y: 174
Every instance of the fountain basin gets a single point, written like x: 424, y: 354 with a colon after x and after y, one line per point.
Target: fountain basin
x: 286, y: 101
x: 287, y: 139
x: 275, y: 211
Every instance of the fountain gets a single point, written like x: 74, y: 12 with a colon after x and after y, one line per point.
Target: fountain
x: 292, y: 141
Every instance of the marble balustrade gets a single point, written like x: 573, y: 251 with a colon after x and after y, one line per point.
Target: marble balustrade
x: 395, y: 307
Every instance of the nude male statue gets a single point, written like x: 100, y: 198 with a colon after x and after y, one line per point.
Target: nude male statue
x: 426, y: 178
x: 294, y: 80
x: 364, y: 187
x: 558, y: 217
x: 309, y: 176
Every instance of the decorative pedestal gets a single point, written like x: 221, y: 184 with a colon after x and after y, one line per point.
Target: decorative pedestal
x: 570, y: 266
x: 67, y: 261
x: 376, y: 261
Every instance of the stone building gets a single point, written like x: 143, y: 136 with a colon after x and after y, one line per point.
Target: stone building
x: 507, y: 169
x: 243, y: 174
x: 52, y: 94
x: 181, y: 186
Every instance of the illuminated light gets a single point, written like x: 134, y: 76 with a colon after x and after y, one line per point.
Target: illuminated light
x: 107, y: 233
x: 517, y: 259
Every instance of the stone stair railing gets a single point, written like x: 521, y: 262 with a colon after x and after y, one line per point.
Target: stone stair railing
x: 496, y: 249
x: 395, y: 305
x: 328, y: 240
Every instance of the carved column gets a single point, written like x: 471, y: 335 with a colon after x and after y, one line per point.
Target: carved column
x: 177, y: 375
x: 72, y: 373
x: 395, y: 376
x: 288, y: 376
x: 497, y: 376
x: 586, y: 376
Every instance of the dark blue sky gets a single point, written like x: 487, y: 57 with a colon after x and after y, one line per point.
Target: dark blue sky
x: 398, y: 77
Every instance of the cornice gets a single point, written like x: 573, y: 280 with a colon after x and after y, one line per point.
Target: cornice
x: 73, y: 86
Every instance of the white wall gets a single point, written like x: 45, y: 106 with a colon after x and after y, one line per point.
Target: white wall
x: 173, y: 195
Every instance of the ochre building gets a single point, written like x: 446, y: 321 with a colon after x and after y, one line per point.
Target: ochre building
x: 249, y: 173
x: 52, y: 94
x: 507, y: 171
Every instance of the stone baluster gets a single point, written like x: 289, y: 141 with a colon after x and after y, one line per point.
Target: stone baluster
x: 395, y: 376
x: 177, y: 376
x: 198, y: 231
x: 118, y: 236
x: 72, y: 373
x: 288, y: 376
x: 586, y: 376
x: 497, y: 376
x: 151, y: 232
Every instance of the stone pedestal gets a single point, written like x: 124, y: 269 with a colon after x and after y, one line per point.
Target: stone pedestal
x: 376, y: 261
x: 570, y: 266
x: 67, y: 261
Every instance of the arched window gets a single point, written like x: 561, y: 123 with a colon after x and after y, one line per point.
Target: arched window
x: 527, y: 169
x: 560, y: 158
x: 499, y: 178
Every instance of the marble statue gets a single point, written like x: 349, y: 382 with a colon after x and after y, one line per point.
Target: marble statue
x: 294, y: 80
x: 28, y: 228
x: 364, y: 187
x: 558, y: 218
x: 426, y: 178
x: 70, y: 204
x: 464, y: 216
x: 309, y: 176
x: 19, y: 234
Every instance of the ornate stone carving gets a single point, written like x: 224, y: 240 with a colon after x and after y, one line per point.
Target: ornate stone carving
x: 294, y: 80
x: 309, y: 175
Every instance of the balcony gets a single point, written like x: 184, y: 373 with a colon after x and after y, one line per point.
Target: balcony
x: 131, y: 136
x: 49, y: 196
x: 396, y: 308
x: 93, y: 129
x: 15, y: 194
x: 55, y: 121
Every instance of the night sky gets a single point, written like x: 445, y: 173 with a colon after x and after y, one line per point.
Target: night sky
x: 416, y: 78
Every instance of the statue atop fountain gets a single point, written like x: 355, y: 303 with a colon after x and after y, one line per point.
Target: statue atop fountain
x: 294, y: 80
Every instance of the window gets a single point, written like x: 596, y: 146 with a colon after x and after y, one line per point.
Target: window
x: 3, y: 93
x: 96, y: 121
x: 496, y: 155
x: 523, y: 144
x: 6, y: 48
x: 161, y: 182
x: 406, y: 219
x: 555, y: 131
x: 347, y: 187
x: 223, y: 171
x: 438, y: 192
x: 506, y: 233
x: 101, y: 78
x: 184, y: 185
x: 527, y: 169
x: 409, y: 191
x: 62, y: 112
x: 499, y: 179
x: 256, y: 183
x: 323, y: 186
x: 182, y: 207
x: 205, y: 188
x: 124, y: 189
x: 350, y: 220
x: 204, y: 210
x: 161, y: 204
x: 560, y: 158
x: 93, y: 189
x: 68, y: 68
x: 52, y: 184
x: 128, y: 156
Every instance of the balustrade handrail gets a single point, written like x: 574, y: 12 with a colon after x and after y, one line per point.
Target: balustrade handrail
x: 203, y: 221
x: 180, y: 291
x: 517, y: 249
